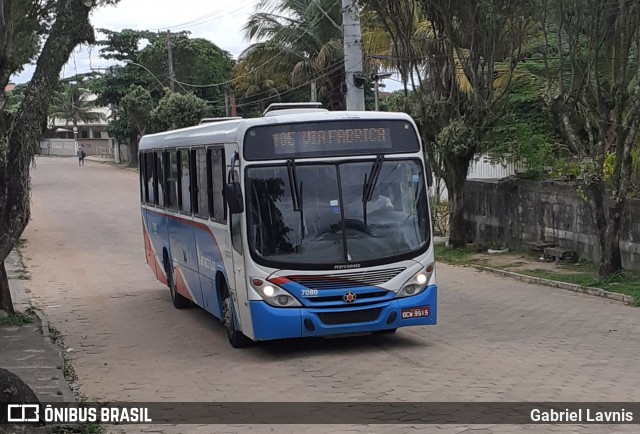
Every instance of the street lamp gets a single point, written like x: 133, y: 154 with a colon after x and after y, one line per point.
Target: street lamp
x: 375, y: 77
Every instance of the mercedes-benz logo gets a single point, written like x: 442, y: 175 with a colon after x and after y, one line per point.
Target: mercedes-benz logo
x: 349, y: 297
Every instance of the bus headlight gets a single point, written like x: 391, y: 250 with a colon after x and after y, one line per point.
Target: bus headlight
x: 273, y: 294
x: 417, y: 283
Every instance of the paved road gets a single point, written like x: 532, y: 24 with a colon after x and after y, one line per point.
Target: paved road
x: 497, y: 339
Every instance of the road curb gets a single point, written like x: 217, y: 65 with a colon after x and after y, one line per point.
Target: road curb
x: 46, y: 331
x: 621, y: 298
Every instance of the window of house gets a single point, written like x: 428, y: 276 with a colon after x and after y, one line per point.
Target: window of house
x: 84, y: 134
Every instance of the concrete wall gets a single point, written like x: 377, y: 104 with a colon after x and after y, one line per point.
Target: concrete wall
x: 512, y: 212
x: 66, y: 147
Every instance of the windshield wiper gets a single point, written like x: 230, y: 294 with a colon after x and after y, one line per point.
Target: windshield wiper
x: 296, y: 193
x: 370, y: 183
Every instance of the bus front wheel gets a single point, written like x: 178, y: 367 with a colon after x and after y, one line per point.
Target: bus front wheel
x: 179, y: 301
x: 235, y: 336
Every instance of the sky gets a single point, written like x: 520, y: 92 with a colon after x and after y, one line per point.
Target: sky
x: 220, y: 21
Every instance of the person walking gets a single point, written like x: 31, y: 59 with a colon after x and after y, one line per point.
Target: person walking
x: 81, y: 155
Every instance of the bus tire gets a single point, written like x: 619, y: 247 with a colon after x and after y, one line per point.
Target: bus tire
x: 178, y: 300
x: 236, y: 338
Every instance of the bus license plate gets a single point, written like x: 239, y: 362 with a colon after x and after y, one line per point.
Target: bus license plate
x: 415, y: 312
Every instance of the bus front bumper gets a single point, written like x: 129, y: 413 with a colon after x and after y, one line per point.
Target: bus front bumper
x: 282, y: 323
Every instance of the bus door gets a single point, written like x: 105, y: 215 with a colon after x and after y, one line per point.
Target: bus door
x: 239, y: 291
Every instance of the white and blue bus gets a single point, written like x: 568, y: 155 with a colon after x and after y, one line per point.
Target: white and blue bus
x: 300, y: 223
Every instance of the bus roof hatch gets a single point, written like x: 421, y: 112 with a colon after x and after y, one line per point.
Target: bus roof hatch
x: 281, y: 108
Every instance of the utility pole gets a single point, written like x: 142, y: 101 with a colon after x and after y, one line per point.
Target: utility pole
x: 354, y: 77
x: 375, y: 77
x: 314, y: 92
x: 172, y: 75
x: 227, y: 109
x: 232, y: 103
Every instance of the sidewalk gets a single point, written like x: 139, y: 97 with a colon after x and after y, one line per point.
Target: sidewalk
x: 27, y: 350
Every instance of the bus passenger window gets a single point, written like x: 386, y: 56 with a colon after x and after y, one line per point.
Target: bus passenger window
x: 141, y: 172
x: 200, y: 175
x: 159, y: 179
x: 149, y: 178
x: 172, y: 181
x: 184, y: 182
x: 217, y: 184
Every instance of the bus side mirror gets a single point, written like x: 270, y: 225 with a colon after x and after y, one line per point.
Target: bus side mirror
x: 233, y: 194
x: 429, y: 175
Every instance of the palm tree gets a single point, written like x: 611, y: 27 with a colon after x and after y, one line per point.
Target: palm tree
x: 303, y: 38
x: 257, y: 88
x: 73, y: 104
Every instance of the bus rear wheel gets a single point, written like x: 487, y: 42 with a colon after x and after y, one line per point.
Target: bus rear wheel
x: 179, y: 301
x: 236, y: 338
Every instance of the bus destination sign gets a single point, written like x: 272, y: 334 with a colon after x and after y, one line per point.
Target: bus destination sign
x: 307, y: 141
x: 335, y: 138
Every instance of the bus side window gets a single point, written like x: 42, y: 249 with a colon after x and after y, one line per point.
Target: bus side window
x: 159, y: 178
x: 184, y: 182
x: 219, y: 212
x: 142, y: 176
x: 172, y: 180
x: 200, y: 174
x: 149, y: 178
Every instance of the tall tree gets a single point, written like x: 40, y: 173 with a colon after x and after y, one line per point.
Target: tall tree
x: 592, y: 58
x: 461, y: 55
x: 66, y: 25
x: 199, y: 65
x: 176, y: 110
x: 302, y: 38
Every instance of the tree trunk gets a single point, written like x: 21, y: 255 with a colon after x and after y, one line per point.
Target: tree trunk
x: 455, y: 177
x: 5, y: 295
x: 610, y: 258
x: 133, y: 148
x: 71, y: 27
x: 608, y: 222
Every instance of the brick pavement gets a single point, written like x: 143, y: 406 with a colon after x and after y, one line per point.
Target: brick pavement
x: 497, y: 339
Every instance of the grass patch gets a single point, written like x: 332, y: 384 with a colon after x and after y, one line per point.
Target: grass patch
x: 626, y: 282
x: 582, y: 273
x: 453, y: 256
x: 16, y: 319
x: 88, y: 428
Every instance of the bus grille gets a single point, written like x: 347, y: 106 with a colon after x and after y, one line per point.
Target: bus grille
x: 347, y: 280
x: 354, y: 316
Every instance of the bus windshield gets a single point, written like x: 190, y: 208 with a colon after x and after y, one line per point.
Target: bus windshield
x: 336, y: 213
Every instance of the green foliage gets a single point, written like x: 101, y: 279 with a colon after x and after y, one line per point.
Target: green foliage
x: 136, y: 107
x: 16, y: 319
x: 177, y: 110
x: 457, y: 138
x: 295, y: 38
x: 452, y: 256
x: 195, y: 61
